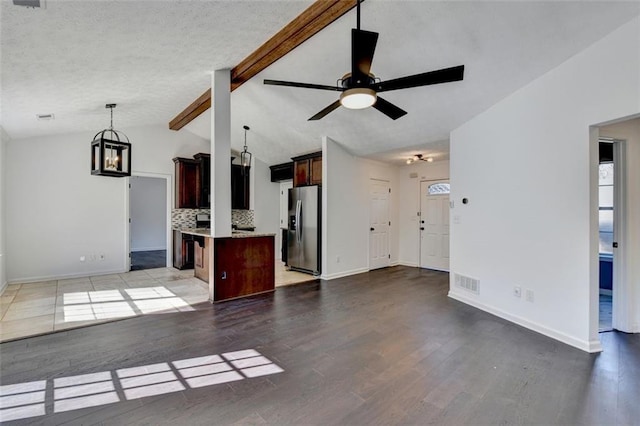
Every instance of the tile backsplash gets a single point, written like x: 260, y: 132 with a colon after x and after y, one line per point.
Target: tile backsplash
x: 242, y: 217
x: 186, y: 218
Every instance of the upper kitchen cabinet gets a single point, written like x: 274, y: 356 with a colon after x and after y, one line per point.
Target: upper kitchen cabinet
x: 187, y: 183
x: 204, y: 193
x: 281, y: 172
x: 307, y: 169
x: 240, y: 187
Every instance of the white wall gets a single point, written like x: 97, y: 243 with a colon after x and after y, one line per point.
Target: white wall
x: 630, y: 132
x: 148, y: 212
x: 345, y: 198
x: 4, y: 140
x: 526, y: 167
x: 266, y: 202
x: 57, y: 211
x: 409, y: 206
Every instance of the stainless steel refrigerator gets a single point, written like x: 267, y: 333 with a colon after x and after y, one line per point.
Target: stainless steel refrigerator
x: 303, y: 239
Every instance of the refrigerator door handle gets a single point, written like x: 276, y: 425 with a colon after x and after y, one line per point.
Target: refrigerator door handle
x: 298, y: 218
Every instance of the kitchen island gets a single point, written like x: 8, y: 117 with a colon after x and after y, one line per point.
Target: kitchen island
x: 243, y: 264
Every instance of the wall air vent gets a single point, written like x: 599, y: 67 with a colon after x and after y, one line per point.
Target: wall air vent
x: 45, y: 117
x: 40, y: 4
x: 467, y: 283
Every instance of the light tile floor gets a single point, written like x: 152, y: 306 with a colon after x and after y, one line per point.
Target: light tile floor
x: 31, y: 309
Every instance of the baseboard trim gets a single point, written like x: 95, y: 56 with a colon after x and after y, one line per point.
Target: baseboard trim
x: 3, y: 287
x: 343, y: 274
x: 65, y: 276
x: 591, y: 346
x: 148, y: 249
x: 410, y: 264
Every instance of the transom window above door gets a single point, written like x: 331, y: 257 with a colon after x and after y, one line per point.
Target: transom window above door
x: 440, y: 188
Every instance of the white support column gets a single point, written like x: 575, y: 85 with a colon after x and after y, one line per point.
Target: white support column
x: 220, y: 163
x: 221, y: 153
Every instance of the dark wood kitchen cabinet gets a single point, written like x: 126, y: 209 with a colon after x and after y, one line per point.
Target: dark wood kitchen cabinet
x: 243, y: 266
x: 281, y: 172
x: 187, y: 177
x: 193, y: 182
x: 240, y: 187
x: 183, y: 250
x: 307, y: 169
x: 204, y: 171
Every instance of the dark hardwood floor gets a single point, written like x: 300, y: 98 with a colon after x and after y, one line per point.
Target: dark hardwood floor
x: 148, y: 259
x: 385, y: 347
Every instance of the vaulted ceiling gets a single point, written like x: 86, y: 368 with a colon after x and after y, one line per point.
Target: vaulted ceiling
x: 153, y: 58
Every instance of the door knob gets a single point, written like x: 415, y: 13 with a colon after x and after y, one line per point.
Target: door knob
x: 372, y: 229
x: 422, y: 228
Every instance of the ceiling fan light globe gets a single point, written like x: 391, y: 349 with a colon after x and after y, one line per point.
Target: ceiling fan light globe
x: 358, y: 98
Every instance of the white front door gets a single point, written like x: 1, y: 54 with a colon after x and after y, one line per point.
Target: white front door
x: 434, y: 225
x: 379, y: 256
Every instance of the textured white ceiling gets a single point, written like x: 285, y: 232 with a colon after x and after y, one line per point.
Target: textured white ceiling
x: 154, y: 58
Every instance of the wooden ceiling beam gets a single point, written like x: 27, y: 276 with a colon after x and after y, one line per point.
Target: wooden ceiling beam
x: 311, y: 21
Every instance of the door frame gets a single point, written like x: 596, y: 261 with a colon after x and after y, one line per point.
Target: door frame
x: 623, y: 305
x: 388, y: 183
x: 127, y: 209
x: 420, y: 194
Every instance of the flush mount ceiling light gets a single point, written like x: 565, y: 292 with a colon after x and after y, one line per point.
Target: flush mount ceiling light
x: 418, y: 157
x: 111, y: 151
x: 245, y: 156
x: 358, y: 98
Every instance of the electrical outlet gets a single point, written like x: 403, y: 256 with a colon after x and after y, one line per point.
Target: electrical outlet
x: 82, y: 258
x: 517, y: 291
x: 529, y: 295
x: 337, y: 259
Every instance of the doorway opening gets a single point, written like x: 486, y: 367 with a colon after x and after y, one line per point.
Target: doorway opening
x: 616, y: 215
x: 434, y: 225
x: 149, y: 230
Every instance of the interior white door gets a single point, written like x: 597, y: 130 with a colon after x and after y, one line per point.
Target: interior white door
x: 284, y: 203
x: 379, y: 256
x: 434, y: 225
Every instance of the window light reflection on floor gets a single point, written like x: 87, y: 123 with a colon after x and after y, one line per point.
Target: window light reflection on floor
x: 112, y: 304
x: 25, y: 400
x: 22, y: 400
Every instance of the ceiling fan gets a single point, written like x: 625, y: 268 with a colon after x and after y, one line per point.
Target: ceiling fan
x: 360, y: 87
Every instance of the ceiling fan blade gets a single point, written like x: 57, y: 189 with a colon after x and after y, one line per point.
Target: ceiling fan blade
x: 303, y: 85
x: 388, y: 109
x: 363, y: 46
x: 325, y: 111
x: 445, y: 75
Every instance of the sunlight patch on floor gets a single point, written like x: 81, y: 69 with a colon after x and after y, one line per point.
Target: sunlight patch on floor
x: 25, y: 400
x: 112, y: 304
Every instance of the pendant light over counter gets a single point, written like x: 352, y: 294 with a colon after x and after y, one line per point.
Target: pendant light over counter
x: 245, y: 156
x: 111, y: 152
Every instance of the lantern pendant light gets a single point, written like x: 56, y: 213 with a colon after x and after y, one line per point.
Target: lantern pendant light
x: 111, y: 152
x: 245, y: 156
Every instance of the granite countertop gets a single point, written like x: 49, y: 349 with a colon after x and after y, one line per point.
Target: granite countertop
x: 206, y: 232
